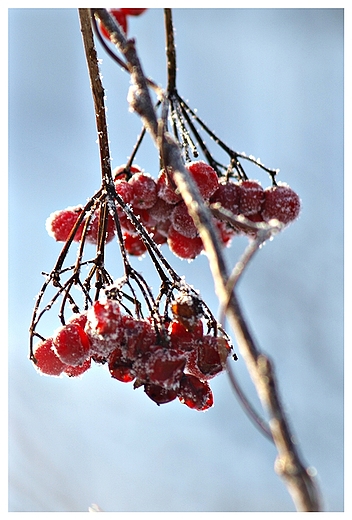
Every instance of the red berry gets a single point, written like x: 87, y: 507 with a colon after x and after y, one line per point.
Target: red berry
x: 205, y: 177
x: 133, y: 12
x: 282, y: 203
x: 76, y: 371
x: 144, y: 190
x: 183, y: 339
x: 251, y: 197
x: 139, y: 336
x: 47, y: 362
x: 104, y: 328
x: 94, y: 225
x: 228, y: 195
x: 226, y: 232
x: 161, y: 210
x: 134, y: 244
x: 71, y: 344
x: 166, y: 191
x: 125, y: 190
x: 210, y: 357
x: 182, y: 221
x: 160, y: 395
x: 162, y: 367
x: 119, y: 368
x: 188, y: 309
x: 60, y: 223
x: 105, y: 319
x: 195, y: 393
x: 183, y: 247
x: 79, y: 319
x: 159, y: 238
x: 121, y: 19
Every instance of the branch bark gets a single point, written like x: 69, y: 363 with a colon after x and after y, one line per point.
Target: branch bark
x: 289, y: 465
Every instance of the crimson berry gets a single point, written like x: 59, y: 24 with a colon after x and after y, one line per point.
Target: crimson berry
x: 71, y: 344
x: 195, y: 393
x: 94, y: 225
x: 76, y: 371
x: 47, y: 362
x: 187, y: 309
x: 134, y: 244
x: 105, y: 318
x: 79, y: 318
x: 184, y: 247
x: 139, y: 336
x: 184, y: 338
x: 182, y: 221
x: 163, y: 367
x: 159, y: 394
x: 159, y: 238
x: 205, y: 177
x: 60, y: 223
x: 212, y: 354
x: 125, y: 190
x: 145, y: 216
x: 104, y: 328
x: 161, y: 210
x: 282, y: 203
x: 251, y: 197
x: 166, y: 191
x: 228, y: 195
x: 119, y: 368
x: 144, y: 190
x: 121, y: 19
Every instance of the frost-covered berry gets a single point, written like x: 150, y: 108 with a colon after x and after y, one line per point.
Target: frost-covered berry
x: 94, y: 228
x: 251, y: 197
x: 144, y: 190
x: 184, y: 247
x: 282, y: 203
x: 228, y: 195
x: 195, y: 393
x: 162, y: 367
x: 120, y: 368
x: 47, y: 362
x: 159, y: 394
x: 134, y: 244
x: 104, y: 327
x: 76, y: 371
x: 166, y: 191
x: 183, y: 337
x: 60, y: 223
x: 205, y: 177
x: 71, y: 344
x: 183, y: 222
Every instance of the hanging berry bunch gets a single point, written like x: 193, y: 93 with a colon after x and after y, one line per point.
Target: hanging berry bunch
x: 169, y: 344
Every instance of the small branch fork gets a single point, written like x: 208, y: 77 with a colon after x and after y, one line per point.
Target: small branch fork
x: 288, y: 465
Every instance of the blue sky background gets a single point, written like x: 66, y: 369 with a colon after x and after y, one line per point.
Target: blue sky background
x: 269, y: 82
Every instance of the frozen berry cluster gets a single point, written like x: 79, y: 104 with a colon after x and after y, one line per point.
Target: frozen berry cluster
x: 174, y: 359
x: 160, y: 208
x: 121, y: 15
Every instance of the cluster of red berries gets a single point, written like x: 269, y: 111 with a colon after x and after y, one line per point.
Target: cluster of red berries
x: 121, y: 15
x: 161, y: 210
x: 173, y: 361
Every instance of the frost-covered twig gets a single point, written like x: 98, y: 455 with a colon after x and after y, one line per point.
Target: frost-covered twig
x: 288, y: 464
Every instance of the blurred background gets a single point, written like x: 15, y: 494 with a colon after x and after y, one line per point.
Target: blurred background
x: 268, y: 82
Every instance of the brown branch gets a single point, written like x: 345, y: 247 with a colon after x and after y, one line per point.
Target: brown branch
x: 288, y: 464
